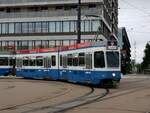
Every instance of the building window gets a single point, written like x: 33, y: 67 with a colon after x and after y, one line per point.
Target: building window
x: 44, y: 8
x: 95, y: 25
x: 38, y: 26
x: 49, y: 27
x: 18, y: 28
x: 24, y: 27
x: 67, y: 8
x: 52, y: 27
x: 73, y: 7
x: 44, y: 27
x: 1, y: 9
x: 31, y: 27
x: 58, y: 26
x: 4, y: 28
x: 59, y: 7
x: 82, y: 26
x: 11, y: 28
x: 87, y: 26
x: 92, y: 5
x: 8, y: 10
x: 65, y: 26
x: 73, y: 26
x: 17, y: 9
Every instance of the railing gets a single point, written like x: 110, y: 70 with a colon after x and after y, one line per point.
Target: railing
x: 48, y: 14
x: 29, y: 1
x: 24, y: 2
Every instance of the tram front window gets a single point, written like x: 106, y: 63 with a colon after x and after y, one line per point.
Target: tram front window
x: 112, y: 59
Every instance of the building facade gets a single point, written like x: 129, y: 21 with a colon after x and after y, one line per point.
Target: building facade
x: 27, y: 24
x: 125, y: 49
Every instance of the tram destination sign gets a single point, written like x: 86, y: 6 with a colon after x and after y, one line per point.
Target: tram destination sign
x: 112, y: 45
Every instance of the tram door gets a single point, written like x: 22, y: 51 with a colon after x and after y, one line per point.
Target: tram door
x: 12, y: 64
x: 88, y: 70
x: 63, y: 72
x: 47, y: 66
x: 19, y: 64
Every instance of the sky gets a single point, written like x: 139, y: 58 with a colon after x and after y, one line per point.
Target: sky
x: 135, y: 16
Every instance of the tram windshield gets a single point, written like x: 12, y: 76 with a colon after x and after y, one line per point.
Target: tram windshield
x: 112, y: 59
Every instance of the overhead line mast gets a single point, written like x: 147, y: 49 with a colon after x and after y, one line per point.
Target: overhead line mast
x: 79, y: 23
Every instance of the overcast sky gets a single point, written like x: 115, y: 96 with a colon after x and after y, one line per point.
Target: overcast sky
x: 135, y: 16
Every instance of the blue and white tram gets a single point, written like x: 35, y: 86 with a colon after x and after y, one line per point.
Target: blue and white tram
x: 5, y: 64
x: 86, y: 63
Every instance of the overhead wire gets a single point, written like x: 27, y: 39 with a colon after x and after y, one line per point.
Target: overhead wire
x: 136, y: 8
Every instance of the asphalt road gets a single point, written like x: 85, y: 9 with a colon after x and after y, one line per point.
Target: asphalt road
x: 37, y: 96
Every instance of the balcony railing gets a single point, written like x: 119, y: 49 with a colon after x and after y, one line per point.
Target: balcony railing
x: 39, y: 2
x: 48, y: 14
x: 29, y: 1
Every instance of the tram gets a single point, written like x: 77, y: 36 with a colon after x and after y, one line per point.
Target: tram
x: 6, y: 64
x: 95, y: 63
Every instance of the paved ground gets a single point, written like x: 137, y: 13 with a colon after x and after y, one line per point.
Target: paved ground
x: 133, y: 96
x: 35, y: 96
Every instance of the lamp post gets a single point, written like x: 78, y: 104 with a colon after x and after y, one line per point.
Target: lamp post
x: 79, y: 23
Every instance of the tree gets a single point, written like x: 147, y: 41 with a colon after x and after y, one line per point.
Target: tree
x: 146, y: 58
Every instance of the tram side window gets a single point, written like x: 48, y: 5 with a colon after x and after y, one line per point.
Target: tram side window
x: 88, y: 61
x: 25, y: 62
x: 75, y: 60
x: 3, y: 61
x: 81, y: 59
x: 99, y: 61
x: 32, y: 62
x: 11, y: 62
x: 53, y: 58
x: 60, y: 60
x: 39, y: 62
x: 69, y: 59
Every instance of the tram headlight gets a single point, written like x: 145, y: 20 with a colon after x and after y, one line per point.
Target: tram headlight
x: 113, y: 74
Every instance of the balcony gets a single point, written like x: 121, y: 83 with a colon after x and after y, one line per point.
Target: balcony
x: 13, y: 3
x: 49, y: 14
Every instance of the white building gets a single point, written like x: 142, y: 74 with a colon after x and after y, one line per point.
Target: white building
x: 44, y: 23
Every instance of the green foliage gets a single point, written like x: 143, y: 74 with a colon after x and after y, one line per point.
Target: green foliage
x: 146, y: 58
x: 129, y: 68
x: 138, y: 66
